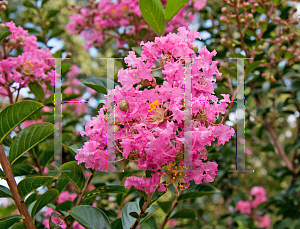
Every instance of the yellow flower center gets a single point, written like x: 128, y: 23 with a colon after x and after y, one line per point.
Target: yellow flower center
x: 153, y: 105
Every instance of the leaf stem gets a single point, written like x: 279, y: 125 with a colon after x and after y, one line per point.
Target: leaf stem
x: 14, y: 191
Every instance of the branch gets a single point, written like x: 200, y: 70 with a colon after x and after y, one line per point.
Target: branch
x: 79, y: 199
x: 14, y: 191
x: 174, y: 204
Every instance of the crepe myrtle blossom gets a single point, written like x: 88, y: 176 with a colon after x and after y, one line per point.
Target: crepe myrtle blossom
x: 31, y: 65
x: 149, y: 118
x: 257, y: 196
x: 120, y: 19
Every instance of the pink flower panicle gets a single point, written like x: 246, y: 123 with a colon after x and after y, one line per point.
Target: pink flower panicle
x: 248, y: 207
x: 149, y: 123
x: 31, y: 65
x: 121, y: 19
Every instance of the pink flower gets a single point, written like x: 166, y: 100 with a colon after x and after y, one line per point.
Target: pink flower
x: 264, y: 222
x: 243, y: 206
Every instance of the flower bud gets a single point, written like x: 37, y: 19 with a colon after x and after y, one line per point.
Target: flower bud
x: 123, y: 105
x: 145, y: 83
x: 242, y: 20
x: 224, y: 9
x: 180, y: 157
x: 2, y: 8
x: 250, y: 16
x: 259, y: 48
x: 69, y: 55
x: 194, y: 47
x: 223, y: 18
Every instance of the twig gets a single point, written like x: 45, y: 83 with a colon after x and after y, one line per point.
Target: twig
x: 79, y: 199
x: 174, y: 204
x: 14, y: 191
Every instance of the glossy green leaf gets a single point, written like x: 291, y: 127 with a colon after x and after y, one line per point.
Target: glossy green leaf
x: 32, y: 183
x: 37, y: 90
x: 28, y: 138
x: 20, y: 225
x: 43, y: 200
x: 75, y: 175
x: 165, y: 205
x: 117, y: 224
x: 252, y: 67
x: 187, y: 213
x: 14, y: 114
x: 128, y: 220
x: 117, y: 189
x: 153, y: 13
x: 173, y: 6
x: 9, y: 221
x: 4, y: 33
x: 199, y: 191
x: 90, y: 217
x: 62, y: 183
x: 24, y: 170
x: 97, y: 84
x: 5, y: 192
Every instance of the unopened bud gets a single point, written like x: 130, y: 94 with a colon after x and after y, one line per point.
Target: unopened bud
x: 180, y: 157
x: 69, y: 55
x: 250, y: 16
x: 223, y: 18
x: 123, y: 105
x: 2, y: 8
x: 145, y: 83
x: 260, y: 48
x: 116, y: 128
x: 242, y: 20
x: 224, y: 9
x: 194, y: 47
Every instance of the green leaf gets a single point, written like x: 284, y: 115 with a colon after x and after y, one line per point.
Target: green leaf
x: 44, y: 2
x: 153, y: 13
x: 30, y: 199
x: 128, y: 220
x: 90, y: 217
x: 165, y: 206
x: 4, y: 33
x: 187, y: 213
x: 260, y: 10
x: 19, y: 226
x: 75, y: 175
x: 97, y: 84
x: 43, y: 200
x: 173, y: 6
x: 10, y: 220
x: 29, y: 4
x: 52, y: 13
x: 5, y: 192
x: 199, y: 191
x: 117, y: 189
x: 56, y: 32
x: 23, y: 170
x: 14, y: 114
x: 28, y: 138
x: 37, y: 90
x: 32, y: 183
x: 134, y: 215
x: 237, y: 55
x: 116, y: 224
x: 288, y: 55
x: 65, y: 206
x: 62, y: 183
x: 252, y: 67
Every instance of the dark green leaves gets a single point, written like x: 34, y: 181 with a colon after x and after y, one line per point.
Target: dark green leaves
x: 14, y: 114
x: 173, y: 6
x: 43, y: 200
x: 97, y: 84
x: 32, y: 183
x: 90, y: 217
x: 5, y: 192
x: 187, y: 213
x: 165, y: 205
x: 10, y: 220
x: 128, y: 220
x: 4, y: 33
x: 75, y: 175
x: 153, y: 14
x: 28, y: 138
x: 199, y: 191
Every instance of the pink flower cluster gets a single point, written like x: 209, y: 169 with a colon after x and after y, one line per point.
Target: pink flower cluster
x: 123, y: 21
x: 259, y: 194
x: 149, y: 123
x: 31, y: 65
x: 64, y: 196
